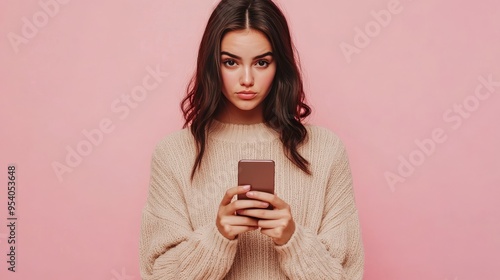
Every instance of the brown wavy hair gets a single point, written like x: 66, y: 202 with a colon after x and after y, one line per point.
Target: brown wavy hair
x: 284, y: 107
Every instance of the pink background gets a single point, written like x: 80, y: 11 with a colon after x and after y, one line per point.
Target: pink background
x: 439, y: 221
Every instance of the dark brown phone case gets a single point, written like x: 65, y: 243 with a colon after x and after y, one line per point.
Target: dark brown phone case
x: 259, y: 174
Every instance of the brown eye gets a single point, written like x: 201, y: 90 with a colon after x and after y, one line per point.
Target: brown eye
x: 229, y: 63
x: 262, y: 63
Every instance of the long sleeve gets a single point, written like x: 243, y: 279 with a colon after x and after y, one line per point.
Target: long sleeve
x: 179, y: 238
x: 336, y: 250
x: 168, y: 247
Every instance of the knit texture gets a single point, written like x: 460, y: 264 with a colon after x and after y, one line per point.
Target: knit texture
x: 179, y: 238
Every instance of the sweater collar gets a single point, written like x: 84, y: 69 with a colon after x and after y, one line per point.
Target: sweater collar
x: 243, y: 133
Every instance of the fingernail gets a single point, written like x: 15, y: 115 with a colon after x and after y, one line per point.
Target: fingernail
x: 249, y: 194
x: 246, y: 187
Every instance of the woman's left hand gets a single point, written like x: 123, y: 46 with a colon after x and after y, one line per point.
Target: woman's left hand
x: 277, y: 223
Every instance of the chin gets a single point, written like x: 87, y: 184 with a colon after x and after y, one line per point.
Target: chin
x: 246, y: 105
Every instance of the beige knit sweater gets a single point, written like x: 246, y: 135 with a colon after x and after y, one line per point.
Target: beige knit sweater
x: 179, y: 238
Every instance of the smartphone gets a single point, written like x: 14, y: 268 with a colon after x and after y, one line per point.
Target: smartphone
x: 259, y: 174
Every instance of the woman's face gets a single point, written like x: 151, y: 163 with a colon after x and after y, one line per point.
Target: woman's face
x: 247, y: 70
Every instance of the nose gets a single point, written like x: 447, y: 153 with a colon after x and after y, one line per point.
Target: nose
x: 247, y: 78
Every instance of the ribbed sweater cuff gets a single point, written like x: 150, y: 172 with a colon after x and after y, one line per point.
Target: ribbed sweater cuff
x: 218, y: 244
x: 293, y: 246
x: 215, y: 260
x: 207, y: 254
x: 304, y: 255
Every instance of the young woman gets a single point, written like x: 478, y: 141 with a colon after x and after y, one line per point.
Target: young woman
x: 246, y: 101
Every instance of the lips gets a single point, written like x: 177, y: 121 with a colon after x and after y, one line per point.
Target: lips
x: 246, y: 95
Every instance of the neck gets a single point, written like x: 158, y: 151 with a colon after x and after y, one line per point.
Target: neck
x: 233, y: 115
x: 242, y: 133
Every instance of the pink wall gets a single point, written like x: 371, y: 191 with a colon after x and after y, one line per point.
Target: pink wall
x: 406, y: 88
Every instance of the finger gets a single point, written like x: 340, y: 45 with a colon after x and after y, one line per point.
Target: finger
x: 240, y: 221
x: 246, y: 203
x: 261, y: 213
x: 235, y: 230
x: 236, y: 205
x: 271, y: 232
x: 273, y: 199
x: 270, y: 224
x: 231, y: 192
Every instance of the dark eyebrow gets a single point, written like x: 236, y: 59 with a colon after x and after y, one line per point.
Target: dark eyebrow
x: 257, y: 57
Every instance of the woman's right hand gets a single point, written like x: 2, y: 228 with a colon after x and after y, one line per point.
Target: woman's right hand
x: 228, y: 222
